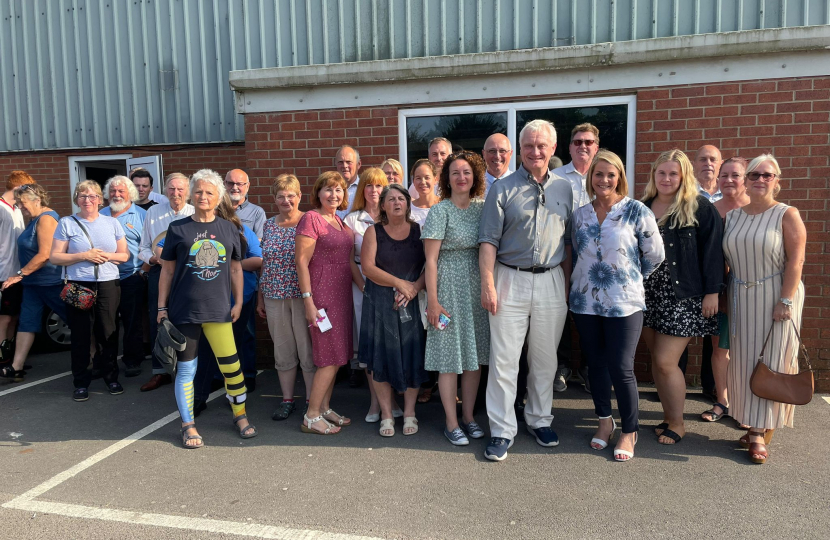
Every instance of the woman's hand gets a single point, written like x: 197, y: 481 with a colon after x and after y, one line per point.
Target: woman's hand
x: 11, y: 281
x: 236, y: 311
x: 434, y: 311
x: 400, y: 299
x: 781, y: 312
x: 161, y: 315
x: 407, y: 289
x: 311, y: 313
x: 710, y: 305
x: 95, y: 256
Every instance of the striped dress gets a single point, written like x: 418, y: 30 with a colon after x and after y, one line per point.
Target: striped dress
x: 754, y: 250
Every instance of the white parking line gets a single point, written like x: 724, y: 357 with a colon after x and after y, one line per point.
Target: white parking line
x: 827, y: 399
x: 35, y: 383
x: 26, y: 501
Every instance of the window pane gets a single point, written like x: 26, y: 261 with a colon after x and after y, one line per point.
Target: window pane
x: 467, y: 131
x: 611, y: 120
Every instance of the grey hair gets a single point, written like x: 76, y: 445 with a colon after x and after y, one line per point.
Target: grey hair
x: 175, y: 175
x: 536, y: 126
x: 350, y: 147
x: 211, y: 177
x: 121, y: 181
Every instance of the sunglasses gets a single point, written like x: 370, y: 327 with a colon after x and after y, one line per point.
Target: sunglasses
x: 580, y: 142
x: 766, y: 177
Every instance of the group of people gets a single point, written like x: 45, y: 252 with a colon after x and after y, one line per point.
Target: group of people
x: 467, y: 279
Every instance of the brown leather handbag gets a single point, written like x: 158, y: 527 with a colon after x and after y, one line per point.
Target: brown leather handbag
x: 781, y: 387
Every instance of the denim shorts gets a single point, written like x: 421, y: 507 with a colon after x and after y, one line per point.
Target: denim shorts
x: 35, y: 297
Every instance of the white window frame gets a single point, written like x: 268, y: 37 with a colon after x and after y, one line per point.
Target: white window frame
x: 73, y: 173
x: 511, y: 107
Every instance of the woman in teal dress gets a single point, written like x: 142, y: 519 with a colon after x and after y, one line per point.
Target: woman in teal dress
x: 450, y: 237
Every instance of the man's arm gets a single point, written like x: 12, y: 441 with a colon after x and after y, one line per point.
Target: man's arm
x: 486, y: 264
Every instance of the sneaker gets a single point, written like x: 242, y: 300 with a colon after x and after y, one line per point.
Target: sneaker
x: 456, y: 437
x: 80, y: 394
x: 497, y: 449
x: 560, y: 380
x: 545, y: 436
x: 472, y: 429
x: 115, y: 388
x: 583, y: 376
x: 284, y: 410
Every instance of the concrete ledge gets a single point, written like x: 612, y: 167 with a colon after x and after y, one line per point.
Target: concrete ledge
x: 693, y: 47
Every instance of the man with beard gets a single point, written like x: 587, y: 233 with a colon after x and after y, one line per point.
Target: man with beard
x: 238, y: 184
x: 121, y: 192
x: 177, y: 188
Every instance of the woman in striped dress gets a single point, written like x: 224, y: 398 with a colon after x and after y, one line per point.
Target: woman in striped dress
x: 764, y: 245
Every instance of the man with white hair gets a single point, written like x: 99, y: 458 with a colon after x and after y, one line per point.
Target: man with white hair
x: 122, y: 194
x: 347, y: 162
x: 158, y: 218
x: 525, y: 265
x: 237, y: 184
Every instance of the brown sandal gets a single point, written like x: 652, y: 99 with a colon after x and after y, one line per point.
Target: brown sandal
x: 744, y: 441
x: 425, y: 395
x: 758, y: 452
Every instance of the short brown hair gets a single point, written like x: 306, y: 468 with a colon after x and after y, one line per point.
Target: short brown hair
x: 327, y: 179
x: 476, y: 163
x: 612, y: 159
x: 32, y: 191
x: 286, y: 182
x: 369, y: 177
x: 18, y: 178
x: 590, y: 128
x: 422, y: 163
x: 88, y: 185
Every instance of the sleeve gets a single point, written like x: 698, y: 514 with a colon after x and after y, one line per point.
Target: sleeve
x: 171, y: 241
x: 62, y: 232
x: 254, y: 248
x: 710, y: 247
x: 307, y: 226
x: 144, y: 250
x: 236, y: 245
x: 650, y: 243
x: 118, y: 229
x: 491, y: 226
x: 435, y: 226
x: 259, y: 223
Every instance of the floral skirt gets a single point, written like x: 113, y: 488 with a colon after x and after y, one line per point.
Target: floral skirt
x: 673, y: 317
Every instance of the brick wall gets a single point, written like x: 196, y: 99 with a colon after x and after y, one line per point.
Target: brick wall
x: 51, y: 169
x: 788, y: 117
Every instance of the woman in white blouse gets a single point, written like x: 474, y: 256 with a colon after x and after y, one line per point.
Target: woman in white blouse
x: 616, y: 245
x: 365, y: 212
x: 423, y: 178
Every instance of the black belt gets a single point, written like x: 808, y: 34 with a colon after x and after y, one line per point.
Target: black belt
x: 532, y: 269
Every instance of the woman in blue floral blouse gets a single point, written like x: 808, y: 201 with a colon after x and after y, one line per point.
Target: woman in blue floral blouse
x: 616, y: 246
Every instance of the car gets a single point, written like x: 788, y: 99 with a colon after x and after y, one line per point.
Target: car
x: 55, y: 331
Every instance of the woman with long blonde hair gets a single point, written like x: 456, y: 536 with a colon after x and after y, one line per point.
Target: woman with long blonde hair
x: 682, y: 294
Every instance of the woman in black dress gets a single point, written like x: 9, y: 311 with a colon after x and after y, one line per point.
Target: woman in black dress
x: 392, y: 338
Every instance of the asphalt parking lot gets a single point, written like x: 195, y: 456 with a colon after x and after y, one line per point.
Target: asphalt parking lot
x: 113, y: 468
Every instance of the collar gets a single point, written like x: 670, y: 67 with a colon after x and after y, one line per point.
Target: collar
x: 529, y: 177
x: 242, y: 205
x: 494, y: 177
x: 170, y: 206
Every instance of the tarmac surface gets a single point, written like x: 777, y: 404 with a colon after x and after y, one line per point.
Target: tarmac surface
x: 113, y: 467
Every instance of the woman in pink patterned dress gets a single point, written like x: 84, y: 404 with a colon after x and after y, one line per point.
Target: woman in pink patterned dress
x: 325, y: 270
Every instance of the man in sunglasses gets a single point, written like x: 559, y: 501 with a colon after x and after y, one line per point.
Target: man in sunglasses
x: 584, y: 146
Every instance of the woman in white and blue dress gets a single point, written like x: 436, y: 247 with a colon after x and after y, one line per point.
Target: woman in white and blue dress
x: 616, y: 246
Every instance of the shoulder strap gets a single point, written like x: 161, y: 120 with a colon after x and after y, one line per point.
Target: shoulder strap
x: 800, y: 345
x: 89, y: 238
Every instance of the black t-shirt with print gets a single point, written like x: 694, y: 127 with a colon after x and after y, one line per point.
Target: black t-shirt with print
x: 201, y: 288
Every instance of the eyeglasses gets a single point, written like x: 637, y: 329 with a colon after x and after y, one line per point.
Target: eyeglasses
x: 25, y: 187
x: 239, y: 185
x: 500, y: 151
x: 766, y: 177
x: 87, y: 197
x: 580, y: 142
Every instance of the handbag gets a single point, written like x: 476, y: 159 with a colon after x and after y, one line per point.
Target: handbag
x: 74, y: 294
x: 782, y: 387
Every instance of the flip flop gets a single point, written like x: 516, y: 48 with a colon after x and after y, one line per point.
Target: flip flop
x: 671, y: 435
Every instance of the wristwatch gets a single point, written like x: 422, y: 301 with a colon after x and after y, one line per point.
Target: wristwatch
x: 786, y: 301
x: 306, y: 295
x: 20, y: 273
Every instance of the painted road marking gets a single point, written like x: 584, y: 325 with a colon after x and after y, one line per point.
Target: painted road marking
x: 827, y: 399
x: 26, y: 501
x: 35, y: 383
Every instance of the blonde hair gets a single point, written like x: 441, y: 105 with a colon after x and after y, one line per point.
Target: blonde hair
x: 614, y: 160
x: 684, y: 207
x: 763, y: 158
x: 370, y: 177
x: 286, y: 182
x: 331, y: 178
x: 88, y: 185
x: 395, y: 164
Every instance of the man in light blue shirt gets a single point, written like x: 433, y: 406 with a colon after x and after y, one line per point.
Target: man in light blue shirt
x: 121, y: 194
x: 497, y: 153
x: 707, y: 165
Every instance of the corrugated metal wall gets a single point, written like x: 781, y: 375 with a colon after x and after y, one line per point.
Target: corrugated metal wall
x: 96, y: 73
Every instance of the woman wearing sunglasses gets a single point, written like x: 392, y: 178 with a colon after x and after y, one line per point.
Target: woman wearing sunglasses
x: 764, y: 244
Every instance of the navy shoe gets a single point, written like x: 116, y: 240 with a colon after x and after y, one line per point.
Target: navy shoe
x: 472, y: 429
x: 545, y: 436
x: 456, y: 437
x: 497, y: 449
x: 80, y: 394
x: 115, y: 388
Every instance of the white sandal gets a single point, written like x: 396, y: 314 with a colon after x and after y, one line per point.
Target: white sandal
x: 628, y: 455
x: 604, y: 444
x: 410, y: 422
x: 305, y: 427
x: 386, y: 425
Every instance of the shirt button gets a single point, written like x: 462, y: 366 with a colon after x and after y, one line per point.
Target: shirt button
x: 677, y: 282
x: 674, y: 264
x: 671, y: 245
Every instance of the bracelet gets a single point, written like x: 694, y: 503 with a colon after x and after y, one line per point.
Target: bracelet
x: 162, y: 309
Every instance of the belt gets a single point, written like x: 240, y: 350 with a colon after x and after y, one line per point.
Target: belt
x: 746, y: 285
x: 531, y: 269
